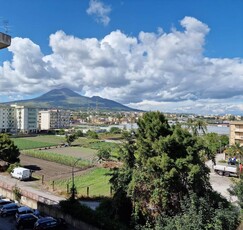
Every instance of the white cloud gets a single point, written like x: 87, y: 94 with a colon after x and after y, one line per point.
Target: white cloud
x: 100, y: 11
x: 165, y: 71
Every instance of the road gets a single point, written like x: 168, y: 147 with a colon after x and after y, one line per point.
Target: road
x: 221, y: 184
x: 7, y: 223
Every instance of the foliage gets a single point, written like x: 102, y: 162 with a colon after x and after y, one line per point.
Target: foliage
x: 212, y: 143
x: 8, y: 150
x: 115, y: 130
x: 61, y: 132
x: 79, y: 133
x: 95, y: 218
x: 197, y: 126
x: 104, y: 154
x: 92, y: 134
x: 237, y: 190
x: 12, y: 166
x: 235, y: 151
x: 70, y: 138
x: 17, y: 193
x: 201, y: 213
x: 54, y: 157
x: 161, y: 166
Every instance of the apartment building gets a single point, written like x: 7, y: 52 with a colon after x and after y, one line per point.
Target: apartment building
x: 26, y: 119
x: 7, y: 121
x: 18, y: 119
x: 236, y: 133
x: 54, y: 119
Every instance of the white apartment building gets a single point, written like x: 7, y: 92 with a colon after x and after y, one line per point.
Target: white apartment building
x: 7, y: 121
x: 54, y: 119
x: 25, y: 119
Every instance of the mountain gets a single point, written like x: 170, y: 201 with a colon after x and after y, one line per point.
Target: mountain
x: 67, y: 99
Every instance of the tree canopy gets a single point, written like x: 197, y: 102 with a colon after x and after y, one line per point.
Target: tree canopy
x: 8, y: 151
x: 161, y: 167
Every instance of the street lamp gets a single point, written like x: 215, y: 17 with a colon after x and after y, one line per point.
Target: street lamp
x: 219, y: 146
x: 73, y: 185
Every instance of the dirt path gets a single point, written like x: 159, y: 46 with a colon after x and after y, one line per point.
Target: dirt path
x: 50, y: 170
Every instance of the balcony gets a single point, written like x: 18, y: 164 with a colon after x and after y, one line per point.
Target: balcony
x: 5, y: 40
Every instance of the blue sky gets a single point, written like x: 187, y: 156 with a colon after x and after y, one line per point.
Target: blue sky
x: 168, y: 55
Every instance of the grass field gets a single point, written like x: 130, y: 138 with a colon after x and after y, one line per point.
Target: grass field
x: 52, y: 140
x: 55, y: 157
x: 37, y: 142
x: 97, y: 180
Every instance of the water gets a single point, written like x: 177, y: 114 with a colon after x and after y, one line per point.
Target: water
x: 221, y: 130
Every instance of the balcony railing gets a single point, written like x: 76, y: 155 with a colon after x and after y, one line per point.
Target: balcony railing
x: 5, y: 40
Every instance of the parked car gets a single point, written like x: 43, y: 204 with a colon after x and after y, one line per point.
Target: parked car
x: 49, y: 223
x: 9, y: 209
x: 4, y: 201
x: 21, y: 173
x: 26, y: 221
x: 24, y: 210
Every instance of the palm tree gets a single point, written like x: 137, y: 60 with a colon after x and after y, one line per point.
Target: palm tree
x: 197, y: 126
x: 235, y: 151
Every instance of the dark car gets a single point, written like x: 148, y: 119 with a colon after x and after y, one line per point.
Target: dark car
x: 50, y: 223
x: 26, y: 221
x: 4, y: 201
x: 9, y: 209
x: 25, y: 210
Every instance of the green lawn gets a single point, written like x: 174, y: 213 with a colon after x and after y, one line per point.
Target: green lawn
x: 38, y: 141
x: 96, y: 179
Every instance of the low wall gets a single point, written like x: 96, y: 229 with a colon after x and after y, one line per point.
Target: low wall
x: 54, y: 210
x: 43, y: 204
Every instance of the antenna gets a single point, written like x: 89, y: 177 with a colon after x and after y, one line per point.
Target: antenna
x: 5, y: 25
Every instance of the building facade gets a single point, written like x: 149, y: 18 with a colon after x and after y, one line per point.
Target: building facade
x: 54, y: 119
x: 236, y: 133
x: 7, y: 121
x: 26, y: 119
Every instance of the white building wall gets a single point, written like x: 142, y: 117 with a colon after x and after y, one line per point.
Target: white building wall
x: 54, y: 119
x: 26, y: 119
x: 44, y: 120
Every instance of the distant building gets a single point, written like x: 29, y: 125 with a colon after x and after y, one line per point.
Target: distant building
x: 7, y: 121
x: 54, y: 119
x: 25, y: 119
x: 236, y: 133
x: 18, y: 119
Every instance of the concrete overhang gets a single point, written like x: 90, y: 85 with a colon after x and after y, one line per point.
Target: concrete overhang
x: 5, y: 40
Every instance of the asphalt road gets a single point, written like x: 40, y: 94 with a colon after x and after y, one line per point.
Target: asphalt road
x: 221, y: 184
x: 7, y: 223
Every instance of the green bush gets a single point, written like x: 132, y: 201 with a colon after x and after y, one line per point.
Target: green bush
x: 99, y: 218
x: 12, y: 166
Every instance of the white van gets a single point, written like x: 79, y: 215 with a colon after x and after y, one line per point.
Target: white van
x: 21, y: 173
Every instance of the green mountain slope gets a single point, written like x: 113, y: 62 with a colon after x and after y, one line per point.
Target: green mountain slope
x: 67, y: 99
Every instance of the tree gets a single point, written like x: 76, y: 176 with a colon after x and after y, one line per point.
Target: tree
x: 212, y: 143
x: 161, y: 169
x: 115, y: 130
x: 235, y: 150
x: 70, y: 138
x: 104, y: 154
x: 197, y: 126
x: 92, y: 134
x: 8, y: 151
x: 79, y: 133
